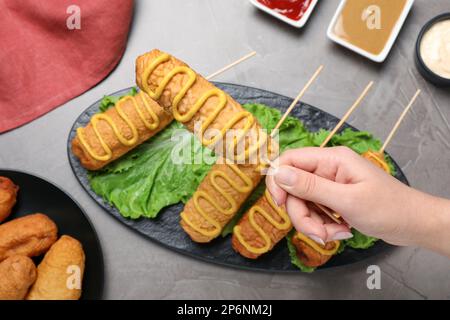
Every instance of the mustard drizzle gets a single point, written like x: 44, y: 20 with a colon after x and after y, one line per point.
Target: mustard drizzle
x: 186, y: 117
x: 285, y: 225
x: 230, y: 210
x: 127, y: 142
x: 316, y: 246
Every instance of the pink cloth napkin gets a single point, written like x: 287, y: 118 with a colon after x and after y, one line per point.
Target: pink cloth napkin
x: 54, y: 50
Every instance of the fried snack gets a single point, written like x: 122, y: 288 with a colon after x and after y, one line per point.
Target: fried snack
x: 217, y: 200
x: 312, y: 254
x: 8, y: 195
x: 377, y: 159
x: 30, y: 236
x: 261, y: 228
x: 111, y: 134
x: 60, y: 274
x: 17, y: 274
x: 193, y: 99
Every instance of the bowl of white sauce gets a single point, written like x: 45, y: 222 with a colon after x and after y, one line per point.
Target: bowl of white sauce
x: 433, y: 50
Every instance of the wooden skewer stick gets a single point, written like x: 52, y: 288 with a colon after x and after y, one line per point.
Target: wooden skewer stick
x: 332, y: 215
x: 231, y: 65
x: 347, y: 115
x: 399, y: 121
x: 296, y: 100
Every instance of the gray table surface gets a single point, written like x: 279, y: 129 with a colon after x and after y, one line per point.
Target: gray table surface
x: 208, y: 34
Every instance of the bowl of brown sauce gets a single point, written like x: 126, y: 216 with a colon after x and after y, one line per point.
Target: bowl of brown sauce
x: 369, y: 27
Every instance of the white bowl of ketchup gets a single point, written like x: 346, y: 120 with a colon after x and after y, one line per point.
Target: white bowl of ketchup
x: 294, y: 12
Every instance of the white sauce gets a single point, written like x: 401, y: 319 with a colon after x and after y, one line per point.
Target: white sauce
x: 435, y: 49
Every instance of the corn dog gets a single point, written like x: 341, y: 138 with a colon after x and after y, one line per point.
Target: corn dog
x: 217, y: 199
x: 64, y: 260
x: 121, y: 128
x: 30, y: 236
x: 193, y: 99
x: 261, y: 227
x: 17, y: 274
x: 312, y: 254
x: 8, y: 195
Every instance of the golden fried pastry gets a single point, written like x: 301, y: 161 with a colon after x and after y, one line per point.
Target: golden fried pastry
x: 8, y: 195
x: 261, y: 228
x: 60, y: 274
x: 312, y: 254
x: 30, y: 236
x: 218, y: 199
x: 111, y: 134
x: 17, y: 274
x: 192, y: 99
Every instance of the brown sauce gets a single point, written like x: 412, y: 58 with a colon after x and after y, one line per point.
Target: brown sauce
x: 368, y: 24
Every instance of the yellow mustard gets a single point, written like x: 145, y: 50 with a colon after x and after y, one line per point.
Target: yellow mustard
x: 285, y: 225
x: 316, y: 246
x: 230, y: 210
x: 127, y: 142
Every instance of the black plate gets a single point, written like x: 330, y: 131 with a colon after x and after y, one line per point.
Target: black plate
x: 166, y: 229
x: 37, y: 195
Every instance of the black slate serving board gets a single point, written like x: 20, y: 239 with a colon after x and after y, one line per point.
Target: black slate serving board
x: 165, y: 229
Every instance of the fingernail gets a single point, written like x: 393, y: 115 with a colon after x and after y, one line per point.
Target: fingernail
x: 342, y: 236
x: 275, y: 200
x: 316, y: 239
x: 285, y: 176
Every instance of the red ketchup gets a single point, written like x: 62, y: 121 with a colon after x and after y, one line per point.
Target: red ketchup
x: 293, y: 9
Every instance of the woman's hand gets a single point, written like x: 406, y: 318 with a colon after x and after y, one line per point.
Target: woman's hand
x: 367, y: 198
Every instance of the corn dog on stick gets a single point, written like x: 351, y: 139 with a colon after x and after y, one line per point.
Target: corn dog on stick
x: 217, y: 200
x: 261, y: 228
x: 121, y: 128
x: 194, y: 100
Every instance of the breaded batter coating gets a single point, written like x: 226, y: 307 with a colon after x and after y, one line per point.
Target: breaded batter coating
x: 57, y: 278
x: 196, y: 91
x: 251, y: 235
x: 30, y: 236
x: 192, y: 216
x: 8, y: 195
x: 106, y: 132
x: 310, y: 257
x: 17, y: 274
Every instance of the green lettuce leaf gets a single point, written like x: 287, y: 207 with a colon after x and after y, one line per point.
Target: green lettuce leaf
x: 109, y: 101
x: 292, y: 133
x: 360, y: 241
x: 358, y: 141
x: 145, y: 180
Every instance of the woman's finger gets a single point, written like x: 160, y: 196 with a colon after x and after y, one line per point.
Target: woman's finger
x: 277, y: 193
x: 303, y: 221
